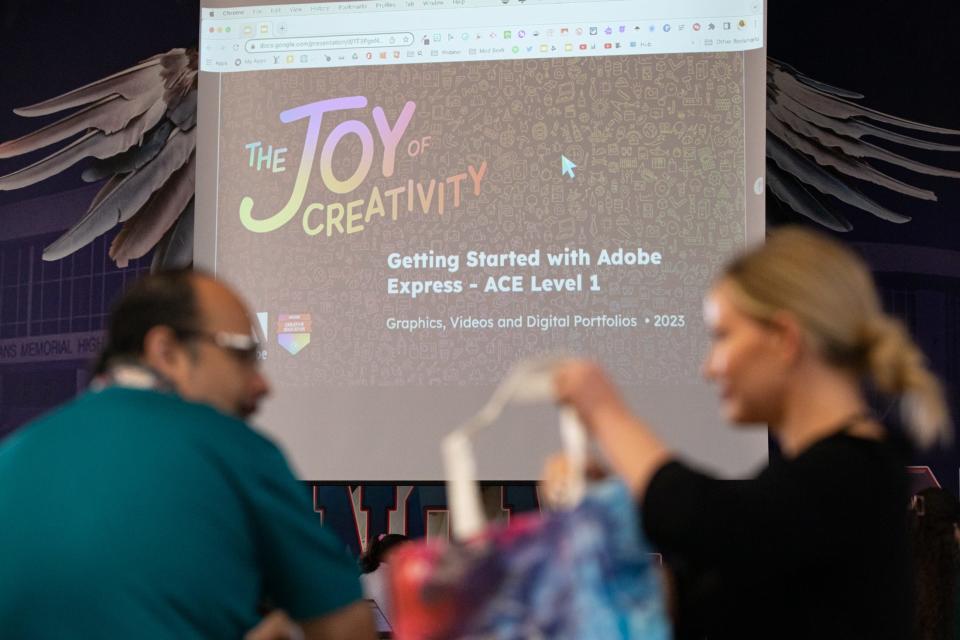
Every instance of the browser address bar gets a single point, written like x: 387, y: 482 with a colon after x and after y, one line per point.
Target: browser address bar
x: 319, y: 43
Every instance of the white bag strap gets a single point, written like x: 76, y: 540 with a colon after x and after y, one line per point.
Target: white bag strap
x: 528, y: 381
x: 463, y: 492
x: 575, y: 445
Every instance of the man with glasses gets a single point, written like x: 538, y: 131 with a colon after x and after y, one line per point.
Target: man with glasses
x: 147, y: 508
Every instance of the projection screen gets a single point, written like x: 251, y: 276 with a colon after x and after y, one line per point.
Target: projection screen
x: 414, y: 194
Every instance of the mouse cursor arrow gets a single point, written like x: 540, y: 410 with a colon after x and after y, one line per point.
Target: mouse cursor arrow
x: 566, y: 167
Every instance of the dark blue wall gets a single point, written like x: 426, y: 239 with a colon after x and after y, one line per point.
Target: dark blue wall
x: 901, y: 56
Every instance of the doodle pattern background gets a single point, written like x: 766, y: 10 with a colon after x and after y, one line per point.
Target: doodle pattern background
x: 659, y: 144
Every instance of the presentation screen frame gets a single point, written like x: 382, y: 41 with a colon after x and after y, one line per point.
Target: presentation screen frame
x: 336, y: 450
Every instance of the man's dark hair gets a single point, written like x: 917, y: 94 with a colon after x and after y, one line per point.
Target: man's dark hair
x: 166, y: 298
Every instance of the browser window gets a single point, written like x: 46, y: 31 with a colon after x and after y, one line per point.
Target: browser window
x: 415, y: 194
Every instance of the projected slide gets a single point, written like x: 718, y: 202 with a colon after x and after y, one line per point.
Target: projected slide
x: 412, y: 197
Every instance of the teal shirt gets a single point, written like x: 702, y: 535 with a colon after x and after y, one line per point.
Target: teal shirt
x: 135, y: 514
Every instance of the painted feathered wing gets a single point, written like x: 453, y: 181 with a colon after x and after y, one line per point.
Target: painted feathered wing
x: 817, y: 143
x: 139, y: 128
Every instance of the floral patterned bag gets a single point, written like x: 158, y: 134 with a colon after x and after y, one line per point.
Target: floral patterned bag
x: 583, y: 572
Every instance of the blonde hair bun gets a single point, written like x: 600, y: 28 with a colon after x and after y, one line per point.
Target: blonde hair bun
x: 830, y: 290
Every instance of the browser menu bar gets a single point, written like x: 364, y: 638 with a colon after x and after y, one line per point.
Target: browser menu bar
x: 233, y: 43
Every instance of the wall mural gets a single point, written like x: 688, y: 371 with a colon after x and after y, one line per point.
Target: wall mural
x: 834, y: 159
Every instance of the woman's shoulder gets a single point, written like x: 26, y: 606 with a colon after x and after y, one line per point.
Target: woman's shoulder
x: 850, y: 461
x: 859, y: 446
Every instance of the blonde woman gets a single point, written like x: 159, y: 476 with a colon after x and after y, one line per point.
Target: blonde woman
x: 815, y: 545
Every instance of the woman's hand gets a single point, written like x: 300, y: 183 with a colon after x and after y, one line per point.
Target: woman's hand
x: 631, y: 447
x: 584, y: 386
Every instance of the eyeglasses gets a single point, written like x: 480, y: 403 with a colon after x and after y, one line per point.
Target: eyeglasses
x: 241, y: 346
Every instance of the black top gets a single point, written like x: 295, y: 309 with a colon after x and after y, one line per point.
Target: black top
x: 813, y: 547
